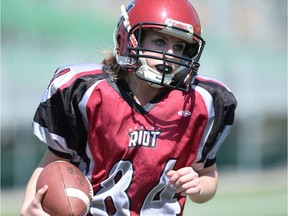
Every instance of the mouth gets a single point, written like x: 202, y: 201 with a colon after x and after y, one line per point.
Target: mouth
x: 164, y: 69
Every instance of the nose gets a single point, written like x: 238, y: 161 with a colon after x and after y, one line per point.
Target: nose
x: 170, y: 49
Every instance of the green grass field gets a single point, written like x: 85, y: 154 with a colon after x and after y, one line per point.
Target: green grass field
x: 245, y: 203
x: 239, y: 194
x: 251, y: 193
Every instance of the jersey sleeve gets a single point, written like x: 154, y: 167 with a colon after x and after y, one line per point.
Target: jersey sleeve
x: 223, y: 104
x: 58, y: 120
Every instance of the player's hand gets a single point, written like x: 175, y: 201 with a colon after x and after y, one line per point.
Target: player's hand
x: 186, y: 181
x: 35, y: 208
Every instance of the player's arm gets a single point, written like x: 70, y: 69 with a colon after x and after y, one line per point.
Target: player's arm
x: 32, y: 200
x: 200, y: 186
x: 199, y: 183
x: 208, y: 178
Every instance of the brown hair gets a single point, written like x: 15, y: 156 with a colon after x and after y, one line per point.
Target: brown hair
x: 112, y: 67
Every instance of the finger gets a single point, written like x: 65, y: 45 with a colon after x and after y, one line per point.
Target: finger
x: 191, y: 177
x: 192, y: 191
x: 187, y: 186
x: 41, y: 193
x: 185, y: 170
x: 36, y: 207
x: 173, y: 175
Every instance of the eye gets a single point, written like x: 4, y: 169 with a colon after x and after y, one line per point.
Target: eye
x: 160, y: 42
x: 191, y: 50
x: 179, y: 47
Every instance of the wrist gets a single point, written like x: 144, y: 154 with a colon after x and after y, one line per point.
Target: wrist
x: 202, y: 196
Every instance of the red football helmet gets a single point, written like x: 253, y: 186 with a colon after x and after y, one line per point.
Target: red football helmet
x: 175, y: 18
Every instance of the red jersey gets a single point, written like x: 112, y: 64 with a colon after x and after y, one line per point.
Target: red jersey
x: 125, y: 149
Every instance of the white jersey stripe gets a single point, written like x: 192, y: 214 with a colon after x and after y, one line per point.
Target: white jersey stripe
x: 210, y: 111
x: 221, y: 137
x: 75, y: 70
x: 82, y: 107
x: 47, y: 137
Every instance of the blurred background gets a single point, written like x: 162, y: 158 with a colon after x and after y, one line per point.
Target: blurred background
x: 246, y: 49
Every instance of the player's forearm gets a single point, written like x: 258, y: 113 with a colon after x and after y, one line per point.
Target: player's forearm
x: 208, y: 181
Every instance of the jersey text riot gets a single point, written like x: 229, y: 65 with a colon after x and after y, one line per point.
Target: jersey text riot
x: 143, y: 138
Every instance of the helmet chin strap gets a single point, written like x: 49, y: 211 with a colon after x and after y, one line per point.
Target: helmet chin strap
x: 144, y: 71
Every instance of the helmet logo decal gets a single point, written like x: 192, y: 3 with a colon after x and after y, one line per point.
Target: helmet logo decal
x: 129, y: 7
x: 174, y: 23
x: 128, y: 27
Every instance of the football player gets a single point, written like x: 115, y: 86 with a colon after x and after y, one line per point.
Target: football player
x: 143, y: 126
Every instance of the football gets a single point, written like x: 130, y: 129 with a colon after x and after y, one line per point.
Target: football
x: 69, y: 191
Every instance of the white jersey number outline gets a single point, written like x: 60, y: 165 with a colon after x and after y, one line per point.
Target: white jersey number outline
x: 166, y: 204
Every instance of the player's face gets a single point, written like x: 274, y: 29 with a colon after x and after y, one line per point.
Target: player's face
x: 154, y: 40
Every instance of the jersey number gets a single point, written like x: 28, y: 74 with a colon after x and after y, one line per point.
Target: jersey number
x: 114, y: 190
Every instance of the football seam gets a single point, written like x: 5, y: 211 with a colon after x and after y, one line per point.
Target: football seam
x: 64, y: 185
